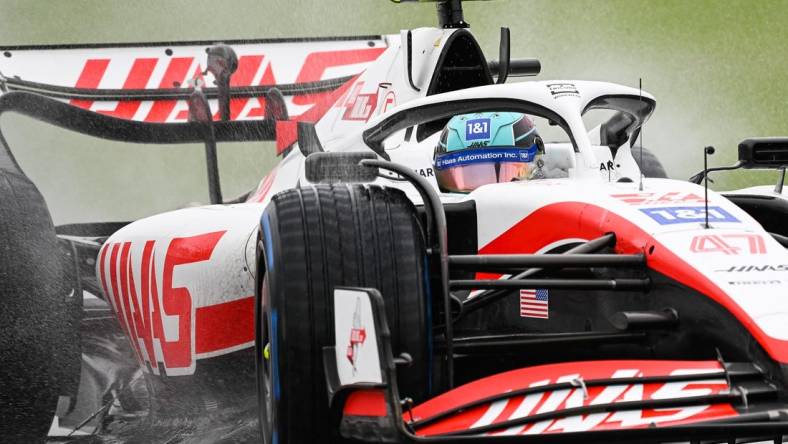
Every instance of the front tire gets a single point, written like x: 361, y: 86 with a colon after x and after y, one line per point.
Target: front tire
x: 311, y: 240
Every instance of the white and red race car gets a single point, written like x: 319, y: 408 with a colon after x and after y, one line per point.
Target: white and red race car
x: 348, y: 298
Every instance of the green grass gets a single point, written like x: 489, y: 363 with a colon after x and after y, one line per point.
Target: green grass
x: 717, y: 68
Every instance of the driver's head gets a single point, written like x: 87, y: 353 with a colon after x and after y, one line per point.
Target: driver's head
x: 490, y: 147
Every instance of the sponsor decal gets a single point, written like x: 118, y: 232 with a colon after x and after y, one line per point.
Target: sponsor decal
x: 356, y: 348
x: 390, y: 101
x: 752, y: 268
x: 425, y: 172
x: 622, y: 393
x: 537, y: 403
x: 359, y: 106
x: 559, y: 90
x: 174, y: 72
x: 358, y: 334
x: 683, y: 215
x: 535, y: 303
x: 472, y: 156
x: 728, y: 244
x: 756, y: 282
x: 609, y: 166
x: 477, y: 129
x: 650, y: 199
x: 610, y: 169
x: 156, y: 309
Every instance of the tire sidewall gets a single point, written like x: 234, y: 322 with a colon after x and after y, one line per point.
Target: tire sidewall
x: 338, y: 235
x: 271, y: 412
x: 39, y: 313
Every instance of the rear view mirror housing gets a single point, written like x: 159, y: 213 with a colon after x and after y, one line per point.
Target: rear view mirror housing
x: 764, y: 152
x: 335, y: 167
x: 613, y: 133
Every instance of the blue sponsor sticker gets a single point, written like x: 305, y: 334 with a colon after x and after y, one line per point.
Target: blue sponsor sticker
x: 477, y: 129
x: 683, y: 215
x: 472, y: 156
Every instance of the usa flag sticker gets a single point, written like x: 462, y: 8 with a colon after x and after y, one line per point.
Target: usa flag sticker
x: 534, y: 303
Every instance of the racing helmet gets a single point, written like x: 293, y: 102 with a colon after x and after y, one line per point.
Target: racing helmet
x: 487, y: 147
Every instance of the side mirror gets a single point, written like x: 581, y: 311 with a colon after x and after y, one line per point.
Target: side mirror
x: 613, y: 133
x: 764, y: 152
x: 504, y: 56
x: 517, y: 67
x: 327, y: 167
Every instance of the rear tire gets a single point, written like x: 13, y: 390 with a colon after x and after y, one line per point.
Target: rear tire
x: 39, y: 314
x: 313, y: 239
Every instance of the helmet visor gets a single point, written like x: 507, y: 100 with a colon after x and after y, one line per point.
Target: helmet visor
x: 466, y: 170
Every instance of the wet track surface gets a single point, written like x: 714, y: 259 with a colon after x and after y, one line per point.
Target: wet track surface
x: 227, y: 427
x: 114, y: 403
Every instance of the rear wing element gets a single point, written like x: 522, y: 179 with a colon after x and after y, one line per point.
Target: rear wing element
x: 93, y: 124
x: 151, y: 82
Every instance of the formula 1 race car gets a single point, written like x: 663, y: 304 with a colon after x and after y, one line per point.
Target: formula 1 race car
x: 352, y: 297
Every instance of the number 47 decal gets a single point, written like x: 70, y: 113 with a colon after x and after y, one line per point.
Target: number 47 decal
x: 730, y: 244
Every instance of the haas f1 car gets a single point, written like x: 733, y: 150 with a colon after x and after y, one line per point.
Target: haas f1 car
x: 352, y: 295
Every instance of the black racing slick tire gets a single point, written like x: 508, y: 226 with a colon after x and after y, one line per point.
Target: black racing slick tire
x: 40, y: 350
x: 313, y: 239
x: 650, y: 165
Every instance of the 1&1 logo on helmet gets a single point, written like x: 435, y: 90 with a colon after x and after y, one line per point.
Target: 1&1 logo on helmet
x: 477, y: 129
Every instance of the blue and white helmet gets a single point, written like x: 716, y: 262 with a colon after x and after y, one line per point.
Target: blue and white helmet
x: 487, y: 147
